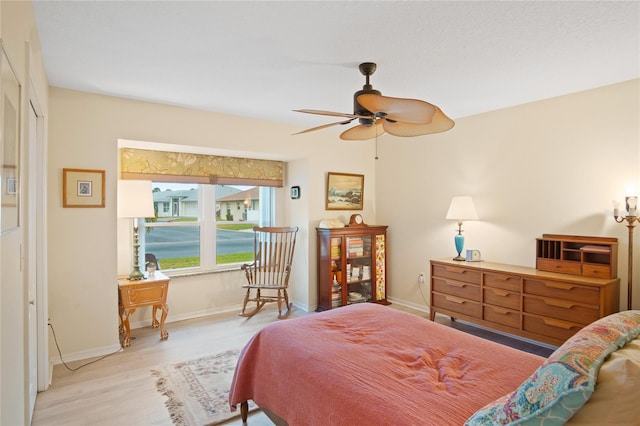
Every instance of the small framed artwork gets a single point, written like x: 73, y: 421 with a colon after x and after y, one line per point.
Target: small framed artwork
x: 295, y: 192
x: 345, y: 191
x: 82, y: 188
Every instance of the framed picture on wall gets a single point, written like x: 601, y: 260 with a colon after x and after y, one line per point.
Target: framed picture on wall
x: 82, y: 188
x: 345, y: 191
x: 9, y: 146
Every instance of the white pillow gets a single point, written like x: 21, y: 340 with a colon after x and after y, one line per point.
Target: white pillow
x: 616, y: 397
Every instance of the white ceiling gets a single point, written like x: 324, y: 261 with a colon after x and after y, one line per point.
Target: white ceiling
x: 262, y: 59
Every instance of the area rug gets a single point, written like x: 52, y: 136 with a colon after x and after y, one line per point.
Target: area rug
x: 198, y: 390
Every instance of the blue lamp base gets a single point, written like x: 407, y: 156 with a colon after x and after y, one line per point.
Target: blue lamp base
x: 459, y: 241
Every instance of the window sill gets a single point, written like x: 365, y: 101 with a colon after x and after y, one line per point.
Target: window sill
x: 192, y: 273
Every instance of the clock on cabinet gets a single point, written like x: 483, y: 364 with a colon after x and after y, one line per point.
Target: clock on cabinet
x: 356, y: 220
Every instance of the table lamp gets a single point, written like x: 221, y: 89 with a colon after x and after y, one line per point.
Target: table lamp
x: 135, y: 201
x: 461, y: 208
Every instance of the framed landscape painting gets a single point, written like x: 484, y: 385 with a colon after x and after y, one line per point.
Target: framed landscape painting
x: 345, y: 191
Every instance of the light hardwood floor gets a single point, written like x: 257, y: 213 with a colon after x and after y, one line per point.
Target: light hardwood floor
x: 120, y: 390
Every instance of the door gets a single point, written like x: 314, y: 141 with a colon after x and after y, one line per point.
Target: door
x: 32, y: 317
x: 37, y: 323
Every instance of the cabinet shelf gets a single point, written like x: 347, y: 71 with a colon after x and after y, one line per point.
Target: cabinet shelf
x: 355, y: 258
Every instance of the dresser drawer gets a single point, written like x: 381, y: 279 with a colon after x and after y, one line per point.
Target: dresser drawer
x: 503, y: 281
x: 456, y: 273
x: 559, y: 266
x: 596, y: 271
x: 457, y: 304
x: 561, y: 309
x: 563, y: 290
x: 456, y: 288
x: 500, y: 297
x: 501, y: 316
x: 556, y: 329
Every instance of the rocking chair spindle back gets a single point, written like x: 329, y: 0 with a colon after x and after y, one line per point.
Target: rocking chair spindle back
x: 273, y: 255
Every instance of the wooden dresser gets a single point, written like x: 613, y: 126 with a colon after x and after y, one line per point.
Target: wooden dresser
x: 544, y: 306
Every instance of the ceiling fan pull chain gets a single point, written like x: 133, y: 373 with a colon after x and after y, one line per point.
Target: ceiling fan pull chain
x: 376, y: 157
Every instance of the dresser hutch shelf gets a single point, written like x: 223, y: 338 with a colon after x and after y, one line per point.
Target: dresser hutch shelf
x: 577, y: 255
x: 351, y: 266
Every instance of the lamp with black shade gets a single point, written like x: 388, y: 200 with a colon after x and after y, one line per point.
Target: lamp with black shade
x: 461, y: 209
x: 135, y: 201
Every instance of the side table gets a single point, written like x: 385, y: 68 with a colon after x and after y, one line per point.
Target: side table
x: 151, y: 291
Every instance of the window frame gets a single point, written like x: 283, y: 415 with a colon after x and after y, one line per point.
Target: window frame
x: 208, y: 228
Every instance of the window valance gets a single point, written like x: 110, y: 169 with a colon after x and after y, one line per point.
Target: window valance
x: 165, y: 166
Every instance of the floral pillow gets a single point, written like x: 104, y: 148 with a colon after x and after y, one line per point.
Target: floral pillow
x: 560, y: 386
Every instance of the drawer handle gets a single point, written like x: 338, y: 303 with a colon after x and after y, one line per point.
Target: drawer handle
x: 557, y: 324
x: 499, y: 310
x: 456, y: 284
x: 502, y: 293
x: 558, y: 303
x: 455, y: 270
x: 503, y: 277
x: 559, y: 285
x: 455, y: 299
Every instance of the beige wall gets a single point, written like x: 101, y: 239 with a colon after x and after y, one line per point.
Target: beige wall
x: 552, y: 166
x: 20, y: 41
x: 547, y: 167
x: 88, y: 248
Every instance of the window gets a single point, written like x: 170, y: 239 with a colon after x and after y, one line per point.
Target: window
x: 201, y: 230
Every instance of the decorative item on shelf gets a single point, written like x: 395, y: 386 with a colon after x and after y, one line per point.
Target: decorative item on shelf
x: 461, y: 209
x: 356, y: 220
x: 151, y: 268
x: 331, y: 223
x: 135, y: 201
x: 631, y: 217
x: 473, y: 255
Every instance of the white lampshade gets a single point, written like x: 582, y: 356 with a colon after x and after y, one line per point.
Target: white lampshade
x: 135, y: 199
x: 462, y: 208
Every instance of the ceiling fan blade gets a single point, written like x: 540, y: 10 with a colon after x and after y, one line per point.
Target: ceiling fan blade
x: 324, y: 126
x: 399, y: 109
x: 440, y: 123
x: 331, y: 113
x: 362, y: 133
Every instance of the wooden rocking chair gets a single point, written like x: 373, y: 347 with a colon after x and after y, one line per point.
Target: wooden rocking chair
x: 273, y: 254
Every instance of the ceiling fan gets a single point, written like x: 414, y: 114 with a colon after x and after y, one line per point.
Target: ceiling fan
x: 378, y: 114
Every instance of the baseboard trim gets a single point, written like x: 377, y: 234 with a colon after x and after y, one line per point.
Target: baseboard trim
x: 78, y: 356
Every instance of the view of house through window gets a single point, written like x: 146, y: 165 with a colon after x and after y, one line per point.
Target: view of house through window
x: 203, y: 226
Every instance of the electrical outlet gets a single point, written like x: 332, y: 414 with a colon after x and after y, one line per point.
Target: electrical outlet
x: 421, y: 277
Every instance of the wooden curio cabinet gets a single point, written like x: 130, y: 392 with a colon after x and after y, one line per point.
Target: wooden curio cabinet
x: 351, y: 266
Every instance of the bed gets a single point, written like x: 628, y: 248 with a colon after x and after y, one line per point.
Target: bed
x: 371, y: 364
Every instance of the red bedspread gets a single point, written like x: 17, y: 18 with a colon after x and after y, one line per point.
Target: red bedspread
x: 368, y: 364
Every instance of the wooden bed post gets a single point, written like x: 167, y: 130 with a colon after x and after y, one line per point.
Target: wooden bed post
x: 244, y: 411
